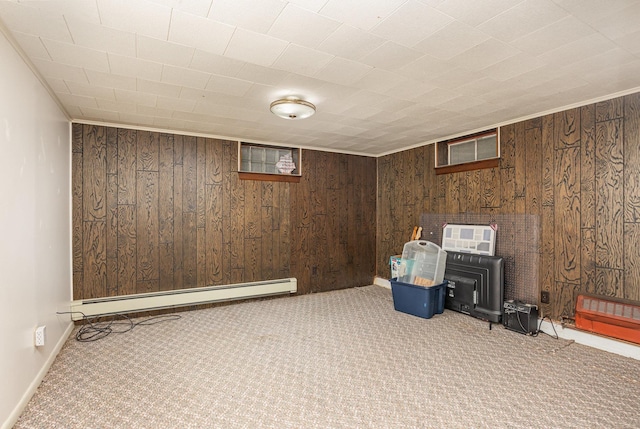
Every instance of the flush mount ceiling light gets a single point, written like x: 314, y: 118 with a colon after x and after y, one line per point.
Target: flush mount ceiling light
x: 292, y: 108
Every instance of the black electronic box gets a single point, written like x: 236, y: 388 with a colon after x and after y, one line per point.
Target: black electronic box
x: 520, y: 317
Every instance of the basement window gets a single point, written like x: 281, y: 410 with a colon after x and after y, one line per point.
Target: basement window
x: 266, y: 162
x: 472, y: 152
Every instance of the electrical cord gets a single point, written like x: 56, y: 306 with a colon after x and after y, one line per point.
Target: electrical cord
x: 552, y: 326
x: 92, y: 330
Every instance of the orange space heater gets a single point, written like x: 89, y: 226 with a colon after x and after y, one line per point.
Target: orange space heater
x: 613, y: 317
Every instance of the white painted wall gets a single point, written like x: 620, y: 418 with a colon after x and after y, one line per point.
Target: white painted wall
x: 35, y: 237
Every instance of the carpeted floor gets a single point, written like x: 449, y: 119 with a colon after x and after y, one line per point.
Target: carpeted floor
x: 342, y: 359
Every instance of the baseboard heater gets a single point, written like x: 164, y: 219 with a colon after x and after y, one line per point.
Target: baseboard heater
x: 179, y: 298
x: 613, y: 317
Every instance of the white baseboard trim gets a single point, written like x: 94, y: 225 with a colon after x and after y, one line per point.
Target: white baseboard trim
x: 379, y: 281
x: 31, y: 390
x: 592, y: 340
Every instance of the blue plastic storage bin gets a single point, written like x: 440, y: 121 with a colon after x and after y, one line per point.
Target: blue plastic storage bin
x: 418, y: 300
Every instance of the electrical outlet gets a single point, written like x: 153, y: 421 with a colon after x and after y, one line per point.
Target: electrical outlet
x: 40, y: 335
x: 544, y: 297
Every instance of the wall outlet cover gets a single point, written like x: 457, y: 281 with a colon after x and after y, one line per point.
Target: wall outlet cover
x: 544, y: 297
x: 40, y: 336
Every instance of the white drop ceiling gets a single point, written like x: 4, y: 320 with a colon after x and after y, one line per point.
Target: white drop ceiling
x: 384, y: 74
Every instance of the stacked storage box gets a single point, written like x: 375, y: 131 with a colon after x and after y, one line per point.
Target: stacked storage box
x: 419, y: 287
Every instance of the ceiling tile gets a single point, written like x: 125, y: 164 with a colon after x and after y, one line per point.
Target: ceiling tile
x: 49, y: 69
x: 254, y: 48
x: 216, y: 64
x: 619, y: 24
x: 342, y: 71
x: 392, y: 104
x: 126, y: 96
x: 77, y: 100
x: 609, y: 78
x: 566, y: 30
x: 411, y: 23
x: 302, y: 27
x: 177, y: 104
x: 32, y: 45
x: 630, y: 42
x: 475, y: 13
x: 193, y: 117
x: 184, y: 77
x: 164, y: 52
x: 30, y: 20
x: 77, y: 9
x: 195, y: 7
x: 259, y: 74
x: 156, y: 112
x: 437, y: 96
x: 102, y: 38
x: 353, y: 13
x: 366, y: 98
x: 451, y: 40
x: 100, y: 114
x: 612, y: 58
x: 462, y: 102
x: 523, y: 18
x: 410, y: 89
x: 330, y: 91
x: 577, y: 50
x: 351, y: 43
x: 247, y: 14
x: 312, y: 5
x: 58, y: 85
x: 157, y: 88
x: 302, y: 60
x: 261, y: 95
x: 228, y: 85
x: 513, y: 66
x: 79, y: 88
x: 362, y: 112
x: 487, y: 53
x: 456, y: 77
x: 74, y: 55
x: 557, y: 85
x: 391, y: 56
x: 198, y: 32
x: 424, y: 68
x: 171, y: 124
x: 136, y: 119
x: 293, y: 81
x: 591, y: 11
x: 207, y: 100
x: 141, y: 17
x: 379, y: 80
x: 110, y: 80
x: 135, y: 67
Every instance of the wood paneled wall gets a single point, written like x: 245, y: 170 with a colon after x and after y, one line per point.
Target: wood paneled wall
x: 579, y: 170
x: 333, y: 215
x: 154, y: 211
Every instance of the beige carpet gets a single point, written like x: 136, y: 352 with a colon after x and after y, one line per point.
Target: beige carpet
x: 342, y: 359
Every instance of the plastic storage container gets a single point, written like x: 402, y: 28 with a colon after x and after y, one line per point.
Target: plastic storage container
x: 423, y: 263
x: 418, y: 300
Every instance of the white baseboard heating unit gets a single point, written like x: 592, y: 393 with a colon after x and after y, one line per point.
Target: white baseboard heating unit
x: 179, y: 298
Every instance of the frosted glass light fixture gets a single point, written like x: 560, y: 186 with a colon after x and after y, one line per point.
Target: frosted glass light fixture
x: 292, y: 108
